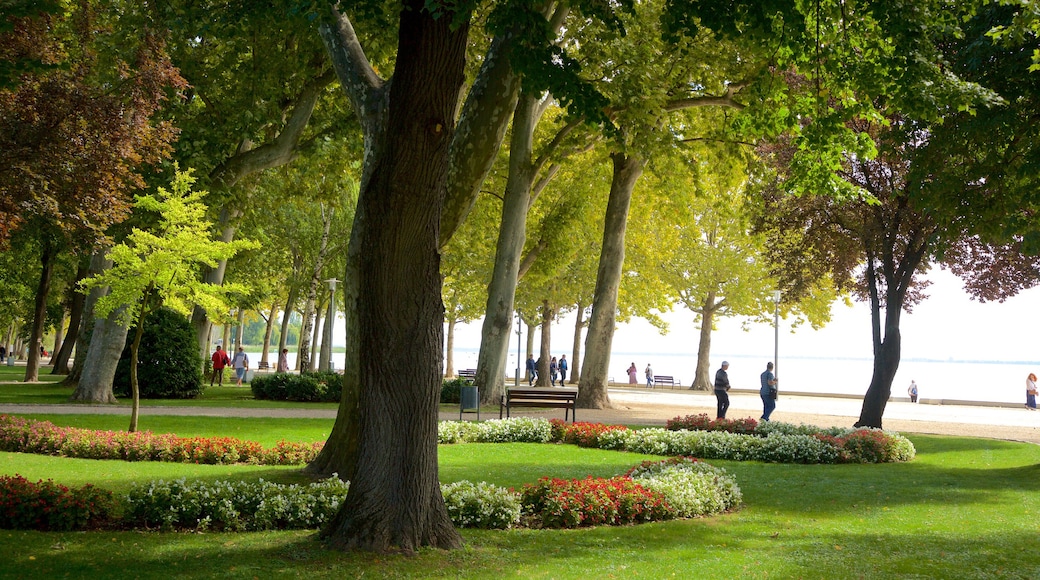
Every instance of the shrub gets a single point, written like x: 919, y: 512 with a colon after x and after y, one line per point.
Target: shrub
x: 451, y: 390
x: 558, y: 503
x: 870, y: 446
x: 310, y: 387
x: 691, y: 487
x: 47, y: 506
x: 581, y: 434
x: 168, y: 365
x: 703, y: 422
x: 237, y: 505
x: 481, y: 505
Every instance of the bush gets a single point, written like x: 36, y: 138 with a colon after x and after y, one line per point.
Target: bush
x: 451, y: 390
x: 47, y: 506
x: 168, y: 365
x: 558, y: 503
x: 481, y: 505
x: 581, y: 434
x: 308, y: 387
x: 703, y: 422
x: 238, y: 505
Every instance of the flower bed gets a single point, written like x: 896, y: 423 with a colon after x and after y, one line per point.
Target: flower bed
x: 47, y: 506
x: 42, y: 437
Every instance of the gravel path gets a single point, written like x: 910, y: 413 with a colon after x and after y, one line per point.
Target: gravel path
x: 645, y: 407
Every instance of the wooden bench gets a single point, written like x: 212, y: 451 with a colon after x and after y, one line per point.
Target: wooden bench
x: 553, y: 397
x: 263, y: 366
x: 468, y: 374
x: 663, y: 379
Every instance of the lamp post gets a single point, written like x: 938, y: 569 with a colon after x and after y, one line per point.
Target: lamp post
x: 325, y: 358
x: 776, y: 333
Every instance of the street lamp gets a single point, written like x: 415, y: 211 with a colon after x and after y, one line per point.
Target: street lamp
x: 325, y: 359
x: 776, y: 333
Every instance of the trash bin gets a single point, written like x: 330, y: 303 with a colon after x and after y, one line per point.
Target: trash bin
x: 469, y: 400
x: 10, y: 361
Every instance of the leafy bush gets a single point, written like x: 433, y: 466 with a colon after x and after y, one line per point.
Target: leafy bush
x: 703, y: 422
x: 233, y: 505
x: 558, y: 503
x: 581, y: 434
x: 168, y: 365
x: 481, y: 505
x: 451, y: 389
x: 310, y: 387
x: 691, y: 487
x: 47, y: 506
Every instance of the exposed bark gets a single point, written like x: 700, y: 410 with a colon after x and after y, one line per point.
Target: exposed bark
x: 77, y: 302
x: 498, y: 315
x: 702, y: 378
x: 48, y: 253
x: 268, y: 329
x: 98, y: 264
x: 290, y: 302
x: 305, y: 360
x: 57, y: 338
x: 316, y: 334
x: 240, y: 326
x: 325, y: 359
x: 449, y: 347
x: 99, y: 365
x: 545, y: 346
x: 394, y: 502
x: 592, y: 388
x: 575, y: 362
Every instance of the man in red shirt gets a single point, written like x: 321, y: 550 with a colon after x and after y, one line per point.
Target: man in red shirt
x: 220, y: 360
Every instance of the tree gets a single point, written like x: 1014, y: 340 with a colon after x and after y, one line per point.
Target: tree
x: 155, y: 269
x: 73, y: 135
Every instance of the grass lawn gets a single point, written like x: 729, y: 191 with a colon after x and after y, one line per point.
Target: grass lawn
x: 964, y: 508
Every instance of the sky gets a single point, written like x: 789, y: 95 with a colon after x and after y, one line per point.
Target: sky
x: 948, y: 325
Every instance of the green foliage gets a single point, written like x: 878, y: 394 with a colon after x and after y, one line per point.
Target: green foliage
x: 168, y: 360
x: 305, y: 387
x: 481, y: 505
x: 49, y: 507
x: 233, y: 505
x: 451, y: 389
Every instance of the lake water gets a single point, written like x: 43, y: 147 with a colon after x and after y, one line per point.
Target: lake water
x: 988, y: 381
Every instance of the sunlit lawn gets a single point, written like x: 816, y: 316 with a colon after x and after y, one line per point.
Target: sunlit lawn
x: 965, y: 508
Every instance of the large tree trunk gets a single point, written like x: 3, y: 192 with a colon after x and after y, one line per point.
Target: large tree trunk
x: 305, y: 360
x: 43, y: 288
x: 98, y: 264
x: 57, y: 338
x: 545, y: 346
x: 887, y: 348
x: 77, y: 302
x: 498, y: 316
x: 394, y: 500
x: 575, y: 362
x: 290, y: 303
x: 100, y: 359
x: 592, y: 389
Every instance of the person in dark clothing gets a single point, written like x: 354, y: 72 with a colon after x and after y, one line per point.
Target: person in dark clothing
x: 721, y: 388
x: 768, y: 391
x: 532, y: 370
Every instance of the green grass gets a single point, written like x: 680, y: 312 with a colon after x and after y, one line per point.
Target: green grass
x: 965, y: 508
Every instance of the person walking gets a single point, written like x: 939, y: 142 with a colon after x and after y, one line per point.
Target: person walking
x: 632, y: 370
x: 912, y: 391
x: 1031, y: 392
x: 283, y: 361
x: 532, y: 370
x: 220, y: 360
x: 241, y: 364
x: 552, y: 370
x: 721, y: 390
x: 649, y: 376
x: 563, y: 369
x: 768, y: 391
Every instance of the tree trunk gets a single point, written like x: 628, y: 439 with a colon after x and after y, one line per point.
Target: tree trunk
x: 592, y: 389
x: 58, y: 329
x: 449, y: 348
x: 394, y: 502
x: 290, y: 302
x: 887, y: 349
x: 316, y: 334
x: 702, y: 375
x: 240, y: 327
x: 575, y: 363
x: 268, y: 330
x: 135, y: 387
x: 98, y: 264
x: 77, y: 303
x: 498, y: 316
x: 305, y: 360
x: 529, y: 347
x: 43, y: 288
x: 545, y: 346
x: 99, y: 366
x: 325, y: 360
